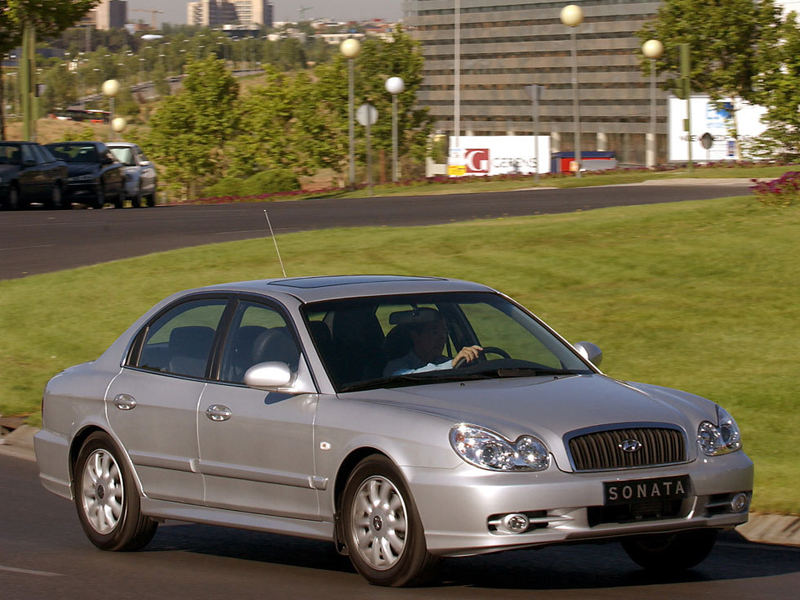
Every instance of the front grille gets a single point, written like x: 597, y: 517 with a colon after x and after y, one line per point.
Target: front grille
x: 649, y: 510
x: 601, y: 450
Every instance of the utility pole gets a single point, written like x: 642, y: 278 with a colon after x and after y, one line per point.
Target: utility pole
x: 27, y: 73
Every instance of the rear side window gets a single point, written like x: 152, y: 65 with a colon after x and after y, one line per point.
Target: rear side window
x: 179, y: 342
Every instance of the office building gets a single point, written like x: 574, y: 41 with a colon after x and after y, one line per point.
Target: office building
x: 506, y: 47
x: 211, y: 13
x: 110, y: 14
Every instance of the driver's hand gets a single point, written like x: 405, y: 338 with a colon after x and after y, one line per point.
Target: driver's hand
x: 468, y: 353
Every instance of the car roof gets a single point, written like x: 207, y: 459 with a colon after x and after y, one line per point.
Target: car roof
x: 120, y: 145
x: 330, y: 287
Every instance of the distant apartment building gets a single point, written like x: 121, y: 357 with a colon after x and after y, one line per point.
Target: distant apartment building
x: 211, y: 13
x: 110, y: 14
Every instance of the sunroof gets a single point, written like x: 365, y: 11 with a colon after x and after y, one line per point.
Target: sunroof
x: 309, y: 283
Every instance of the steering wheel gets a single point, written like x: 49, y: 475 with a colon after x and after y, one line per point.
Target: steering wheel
x: 486, y: 350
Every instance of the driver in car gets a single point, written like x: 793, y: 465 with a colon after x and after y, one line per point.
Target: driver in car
x: 428, y: 335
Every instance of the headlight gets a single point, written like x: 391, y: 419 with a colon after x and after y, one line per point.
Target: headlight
x: 719, y: 439
x: 489, y: 450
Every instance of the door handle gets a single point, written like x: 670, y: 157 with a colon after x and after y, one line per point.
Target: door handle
x: 218, y: 412
x: 125, y: 402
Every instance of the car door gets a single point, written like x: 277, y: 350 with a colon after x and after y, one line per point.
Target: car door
x: 152, y: 403
x: 32, y: 181
x: 256, y: 448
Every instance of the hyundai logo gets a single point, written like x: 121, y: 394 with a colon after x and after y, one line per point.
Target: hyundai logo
x: 630, y: 446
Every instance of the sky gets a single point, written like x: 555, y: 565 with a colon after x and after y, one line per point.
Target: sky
x: 285, y: 10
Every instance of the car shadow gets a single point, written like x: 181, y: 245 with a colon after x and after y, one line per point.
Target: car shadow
x: 563, y: 567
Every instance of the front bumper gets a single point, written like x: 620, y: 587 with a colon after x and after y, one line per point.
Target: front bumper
x: 457, y: 506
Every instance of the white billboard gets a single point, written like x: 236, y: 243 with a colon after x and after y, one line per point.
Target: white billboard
x: 498, y: 155
x: 706, y: 118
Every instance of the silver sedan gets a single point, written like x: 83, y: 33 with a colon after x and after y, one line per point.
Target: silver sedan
x: 404, y: 419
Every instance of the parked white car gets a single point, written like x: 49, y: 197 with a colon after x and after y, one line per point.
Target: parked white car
x: 141, y: 177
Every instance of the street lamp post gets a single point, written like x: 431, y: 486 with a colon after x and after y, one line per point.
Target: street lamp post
x: 457, y: 73
x: 111, y: 89
x: 572, y: 16
x: 652, y: 49
x: 535, y: 92
x: 395, y: 85
x: 350, y: 49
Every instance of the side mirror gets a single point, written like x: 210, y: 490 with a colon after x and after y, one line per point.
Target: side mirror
x: 268, y: 376
x: 29, y: 162
x: 107, y: 160
x: 144, y: 163
x: 590, y: 352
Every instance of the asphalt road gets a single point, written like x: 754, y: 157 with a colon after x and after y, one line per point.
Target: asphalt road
x: 44, y: 554
x: 39, y: 241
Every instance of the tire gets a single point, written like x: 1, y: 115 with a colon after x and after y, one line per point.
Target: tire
x: 383, y: 533
x: 14, y: 198
x: 100, y: 196
x: 151, y: 199
x: 107, y: 498
x: 671, y: 552
x: 136, y: 201
x: 119, y: 200
x: 56, y: 198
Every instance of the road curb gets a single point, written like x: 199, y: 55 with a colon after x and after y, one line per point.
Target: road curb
x: 779, y: 530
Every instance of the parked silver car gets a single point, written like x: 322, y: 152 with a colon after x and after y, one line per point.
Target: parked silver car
x: 332, y: 408
x: 141, y: 183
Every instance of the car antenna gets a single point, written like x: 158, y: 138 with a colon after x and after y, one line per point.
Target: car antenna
x: 272, y: 233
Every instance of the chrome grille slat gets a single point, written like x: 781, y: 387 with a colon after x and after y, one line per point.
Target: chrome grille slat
x: 599, y: 450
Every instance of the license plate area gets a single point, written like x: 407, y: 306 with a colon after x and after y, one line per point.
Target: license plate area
x: 645, y: 491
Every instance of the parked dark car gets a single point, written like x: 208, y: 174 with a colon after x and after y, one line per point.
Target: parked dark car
x: 95, y: 175
x: 30, y: 173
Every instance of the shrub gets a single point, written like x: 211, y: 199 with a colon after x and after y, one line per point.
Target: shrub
x: 227, y: 186
x: 784, y: 191
x: 269, y: 182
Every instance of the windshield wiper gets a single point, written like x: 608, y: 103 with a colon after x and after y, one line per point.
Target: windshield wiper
x: 413, y: 378
x: 533, y: 372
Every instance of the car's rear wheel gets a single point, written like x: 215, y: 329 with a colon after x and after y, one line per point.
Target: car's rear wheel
x: 151, y: 199
x: 671, y: 552
x: 382, y: 529
x: 107, y: 499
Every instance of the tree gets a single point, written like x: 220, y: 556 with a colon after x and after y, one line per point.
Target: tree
x: 727, y: 39
x: 190, y: 129
x: 778, y: 90
x: 48, y: 17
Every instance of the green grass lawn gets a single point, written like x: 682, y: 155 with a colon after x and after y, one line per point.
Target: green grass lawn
x: 701, y: 296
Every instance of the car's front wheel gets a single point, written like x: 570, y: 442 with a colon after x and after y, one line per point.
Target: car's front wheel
x: 382, y: 529
x: 100, y: 195
x: 671, y: 552
x: 107, y: 499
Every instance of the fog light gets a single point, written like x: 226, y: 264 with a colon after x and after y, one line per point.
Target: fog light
x: 516, y: 523
x: 739, y: 503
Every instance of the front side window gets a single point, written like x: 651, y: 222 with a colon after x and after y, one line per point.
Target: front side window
x: 258, y: 334
x: 427, y: 338
x: 179, y: 341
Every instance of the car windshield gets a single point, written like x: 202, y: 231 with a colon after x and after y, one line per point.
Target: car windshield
x: 124, y: 155
x: 75, y: 153
x: 9, y: 154
x: 393, y: 341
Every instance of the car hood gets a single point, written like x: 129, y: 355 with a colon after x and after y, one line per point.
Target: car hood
x: 550, y: 407
x: 75, y: 169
